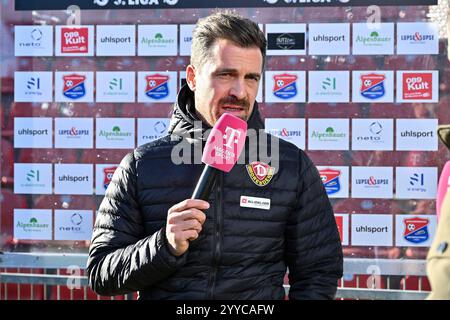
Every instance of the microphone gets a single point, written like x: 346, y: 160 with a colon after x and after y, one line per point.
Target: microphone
x: 443, y: 188
x: 223, y: 148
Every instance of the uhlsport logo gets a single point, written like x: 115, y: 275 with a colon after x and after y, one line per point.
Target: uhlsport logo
x: 416, y: 230
x: 260, y: 173
x: 107, y: 176
x: 157, y: 86
x: 285, y: 86
x: 372, y: 86
x: 74, y: 40
x: 331, y: 180
x: 74, y: 86
x: 417, y: 86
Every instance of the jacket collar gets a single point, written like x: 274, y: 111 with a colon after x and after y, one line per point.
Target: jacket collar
x: 184, y: 116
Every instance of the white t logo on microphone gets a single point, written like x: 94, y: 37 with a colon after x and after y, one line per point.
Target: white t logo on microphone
x: 232, y: 136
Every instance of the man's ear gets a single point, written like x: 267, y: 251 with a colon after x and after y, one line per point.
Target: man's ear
x: 190, y: 77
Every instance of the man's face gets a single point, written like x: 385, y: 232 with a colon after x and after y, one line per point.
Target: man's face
x: 228, y: 81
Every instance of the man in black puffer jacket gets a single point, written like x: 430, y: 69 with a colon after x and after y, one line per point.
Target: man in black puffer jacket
x: 149, y: 238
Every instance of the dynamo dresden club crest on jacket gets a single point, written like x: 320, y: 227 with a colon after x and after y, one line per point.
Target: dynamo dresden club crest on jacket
x: 330, y: 179
x: 416, y: 230
x: 157, y: 86
x: 260, y: 173
x: 372, y: 86
x: 74, y: 87
x: 285, y: 86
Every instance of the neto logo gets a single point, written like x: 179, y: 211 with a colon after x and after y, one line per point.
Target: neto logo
x: 36, y: 37
x: 76, y: 219
x: 160, y: 127
x: 36, y: 34
x: 375, y: 128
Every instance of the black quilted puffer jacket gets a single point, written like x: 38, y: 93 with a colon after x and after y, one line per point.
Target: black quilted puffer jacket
x: 242, y: 253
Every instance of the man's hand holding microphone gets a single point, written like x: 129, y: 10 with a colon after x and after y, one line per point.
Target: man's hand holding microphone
x: 223, y: 147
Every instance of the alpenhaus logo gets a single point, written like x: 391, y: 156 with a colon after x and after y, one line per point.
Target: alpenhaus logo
x: 260, y: 173
x: 114, y: 134
x: 32, y: 226
x: 328, y: 135
x: 373, y: 40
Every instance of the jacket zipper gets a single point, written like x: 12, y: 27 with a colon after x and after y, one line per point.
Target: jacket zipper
x: 217, y: 238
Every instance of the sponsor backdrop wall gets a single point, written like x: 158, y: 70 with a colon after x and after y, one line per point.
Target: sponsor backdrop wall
x: 362, y: 99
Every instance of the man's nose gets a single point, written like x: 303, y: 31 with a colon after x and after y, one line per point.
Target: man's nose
x: 238, y: 89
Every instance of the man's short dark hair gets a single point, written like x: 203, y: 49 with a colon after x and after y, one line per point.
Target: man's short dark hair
x: 229, y: 26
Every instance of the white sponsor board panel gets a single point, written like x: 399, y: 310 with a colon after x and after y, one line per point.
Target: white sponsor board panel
x: 414, y: 230
x: 335, y: 180
x: 292, y: 130
x: 328, y: 134
x: 329, y: 38
x: 416, y: 182
x: 33, y: 132
x: 116, y: 40
x: 372, y: 230
x: 33, y: 224
x: 33, y: 178
x: 416, y: 135
x: 373, y: 134
x: 372, y: 182
x: 36, y: 41
x: 74, y: 179
x: 73, y: 225
x: 33, y: 86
